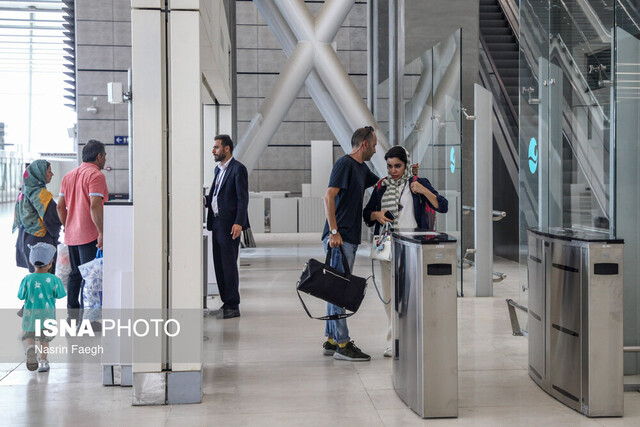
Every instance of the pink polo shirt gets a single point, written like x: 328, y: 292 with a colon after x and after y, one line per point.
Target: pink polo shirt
x: 77, y: 188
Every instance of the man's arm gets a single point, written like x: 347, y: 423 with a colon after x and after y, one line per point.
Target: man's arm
x: 96, y: 217
x: 330, y: 212
x: 242, y: 190
x: 62, y: 210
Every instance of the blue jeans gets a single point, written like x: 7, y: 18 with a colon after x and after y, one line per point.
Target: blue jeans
x: 337, y: 329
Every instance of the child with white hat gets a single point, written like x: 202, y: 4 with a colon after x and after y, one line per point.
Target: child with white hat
x: 39, y: 291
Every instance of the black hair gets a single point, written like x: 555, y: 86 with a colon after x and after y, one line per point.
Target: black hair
x: 39, y: 264
x: 360, y: 135
x: 91, y: 150
x: 225, y: 141
x: 397, y: 152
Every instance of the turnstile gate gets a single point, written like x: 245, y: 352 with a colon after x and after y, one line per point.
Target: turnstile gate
x: 425, y: 358
x: 575, y: 318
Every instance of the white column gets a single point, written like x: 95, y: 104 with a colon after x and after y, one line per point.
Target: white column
x: 186, y: 175
x: 150, y: 207
x: 168, y: 214
x: 483, y: 189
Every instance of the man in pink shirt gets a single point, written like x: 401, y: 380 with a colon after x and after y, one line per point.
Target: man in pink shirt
x: 80, y: 206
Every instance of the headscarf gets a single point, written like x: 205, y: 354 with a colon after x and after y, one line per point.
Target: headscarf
x: 391, y: 197
x: 33, y: 200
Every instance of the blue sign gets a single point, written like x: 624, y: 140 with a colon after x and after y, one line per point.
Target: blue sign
x: 533, y: 155
x: 452, y: 159
x: 121, y: 140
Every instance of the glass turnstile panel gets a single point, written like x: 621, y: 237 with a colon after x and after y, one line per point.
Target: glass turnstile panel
x: 432, y: 127
x: 566, y: 112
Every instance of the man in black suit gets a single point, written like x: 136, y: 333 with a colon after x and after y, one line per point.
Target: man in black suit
x: 227, y: 216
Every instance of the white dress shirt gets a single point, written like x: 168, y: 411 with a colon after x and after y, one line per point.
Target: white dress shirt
x: 218, y: 183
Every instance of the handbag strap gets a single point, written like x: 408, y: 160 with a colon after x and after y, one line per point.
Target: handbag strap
x: 384, y: 232
x: 345, y: 264
x: 327, y: 317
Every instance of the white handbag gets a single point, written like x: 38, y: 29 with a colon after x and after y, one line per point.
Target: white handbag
x: 381, y: 244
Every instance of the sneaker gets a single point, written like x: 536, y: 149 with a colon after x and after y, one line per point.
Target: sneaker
x: 32, y: 361
x: 328, y: 349
x: 388, y: 352
x: 351, y: 353
x: 43, y: 366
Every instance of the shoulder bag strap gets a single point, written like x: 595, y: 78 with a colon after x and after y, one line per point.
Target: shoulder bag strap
x: 327, y: 317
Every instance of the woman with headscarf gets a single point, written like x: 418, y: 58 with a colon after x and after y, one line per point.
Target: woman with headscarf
x: 35, y: 215
x: 411, y: 200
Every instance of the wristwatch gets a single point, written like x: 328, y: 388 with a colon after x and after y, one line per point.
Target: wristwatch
x: 334, y: 231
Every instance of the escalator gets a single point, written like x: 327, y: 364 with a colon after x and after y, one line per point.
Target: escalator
x: 500, y: 73
x: 501, y: 44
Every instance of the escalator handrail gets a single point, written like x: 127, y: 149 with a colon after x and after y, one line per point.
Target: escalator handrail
x: 503, y: 89
x: 512, y: 13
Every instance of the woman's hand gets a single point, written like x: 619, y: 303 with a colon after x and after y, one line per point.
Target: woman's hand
x: 414, y: 169
x: 418, y: 188
x: 379, y: 216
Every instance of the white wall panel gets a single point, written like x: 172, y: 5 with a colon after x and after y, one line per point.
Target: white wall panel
x: 321, y: 165
x: 284, y: 215
x: 311, y: 215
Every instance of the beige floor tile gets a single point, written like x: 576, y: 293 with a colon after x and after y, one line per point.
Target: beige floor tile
x: 267, y: 368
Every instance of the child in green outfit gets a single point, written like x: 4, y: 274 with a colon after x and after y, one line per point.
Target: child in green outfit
x: 39, y: 291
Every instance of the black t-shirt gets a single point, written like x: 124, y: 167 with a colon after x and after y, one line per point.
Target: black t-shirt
x: 352, y: 178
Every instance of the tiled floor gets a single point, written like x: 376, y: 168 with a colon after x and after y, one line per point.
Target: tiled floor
x: 267, y: 369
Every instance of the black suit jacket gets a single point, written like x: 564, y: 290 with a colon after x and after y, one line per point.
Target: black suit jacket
x: 233, y: 197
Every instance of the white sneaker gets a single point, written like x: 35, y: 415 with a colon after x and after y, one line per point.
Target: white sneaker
x: 43, y: 366
x: 388, y: 352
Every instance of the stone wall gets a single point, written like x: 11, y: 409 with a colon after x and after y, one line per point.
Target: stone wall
x: 103, y: 42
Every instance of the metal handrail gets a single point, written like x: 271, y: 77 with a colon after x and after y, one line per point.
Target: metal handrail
x: 494, y: 68
x: 512, y: 12
x: 515, y: 325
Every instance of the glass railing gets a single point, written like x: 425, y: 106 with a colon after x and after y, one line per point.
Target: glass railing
x: 579, y: 133
x: 12, y: 166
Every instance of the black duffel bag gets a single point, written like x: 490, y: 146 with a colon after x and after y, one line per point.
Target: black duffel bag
x: 325, y: 282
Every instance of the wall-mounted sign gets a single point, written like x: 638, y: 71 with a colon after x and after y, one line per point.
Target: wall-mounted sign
x: 121, y: 140
x: 533, y: 155
x: 452, y: 159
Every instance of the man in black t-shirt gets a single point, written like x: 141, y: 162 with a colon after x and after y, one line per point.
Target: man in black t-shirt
x: 343, y: 209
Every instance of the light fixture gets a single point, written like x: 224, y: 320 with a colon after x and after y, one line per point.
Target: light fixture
x: 93, y: 108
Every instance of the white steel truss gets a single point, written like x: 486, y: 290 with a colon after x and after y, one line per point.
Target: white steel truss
x: 312, y: 61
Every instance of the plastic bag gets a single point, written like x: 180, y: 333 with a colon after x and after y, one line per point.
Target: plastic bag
x: 63, y: 264
x: 92, y: 290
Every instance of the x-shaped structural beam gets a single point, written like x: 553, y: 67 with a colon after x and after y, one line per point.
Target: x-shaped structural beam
x: 307, y: 42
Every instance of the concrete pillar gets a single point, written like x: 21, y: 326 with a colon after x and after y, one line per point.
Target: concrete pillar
x: 483, y: 171
x: 168, y: 52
